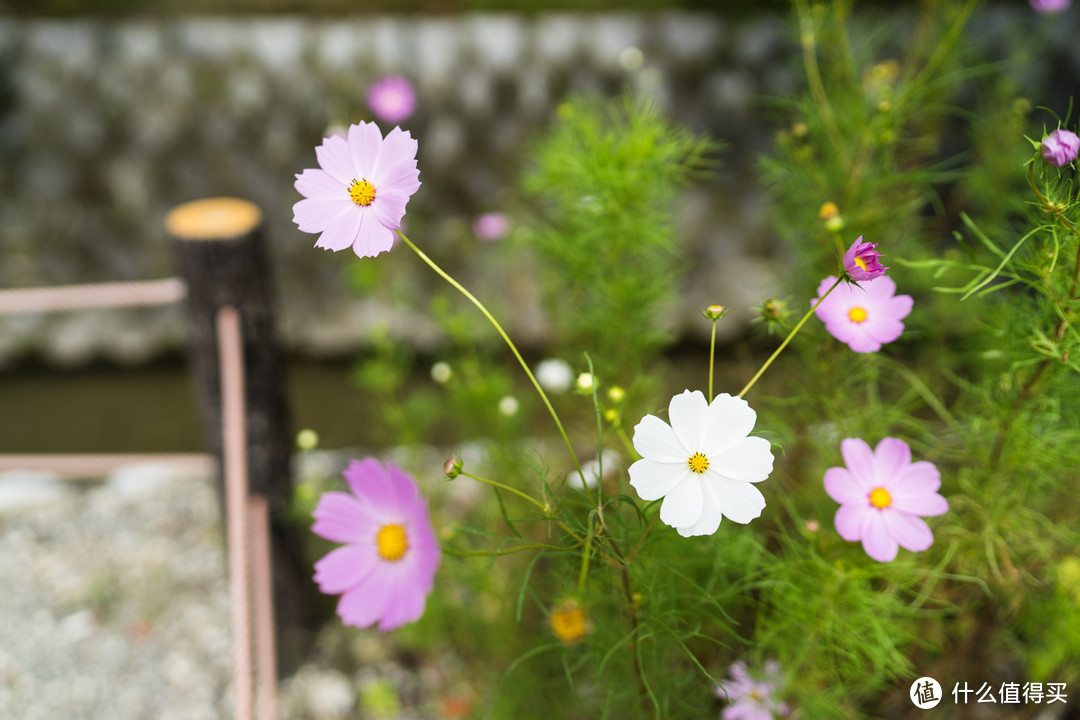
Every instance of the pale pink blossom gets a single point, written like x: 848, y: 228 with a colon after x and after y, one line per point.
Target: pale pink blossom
x: 865, y: 315
x: 386, y: 569
x: 391, y: 99
x: 357, y: 199
x: 884, y: 497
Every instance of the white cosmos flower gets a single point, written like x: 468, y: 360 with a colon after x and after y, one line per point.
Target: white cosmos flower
x: 703, y: 465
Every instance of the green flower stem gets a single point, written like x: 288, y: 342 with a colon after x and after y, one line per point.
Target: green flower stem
x: 545, y: 509
x: 510, y: 343
x: 583, y: 576
x: 494, y: 483
x: 788, y: 338
x: 496, y: 553
x: 712, y: 354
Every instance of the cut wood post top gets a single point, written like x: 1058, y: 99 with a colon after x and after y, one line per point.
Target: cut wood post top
x: 216, y: 218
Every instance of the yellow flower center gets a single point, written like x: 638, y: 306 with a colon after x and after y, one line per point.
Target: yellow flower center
x: 860, y: 263
x: 857, y: 314
x: 698, y: 463
x: 880, y: 498
x: 362, y: 192
x: 391, y: 542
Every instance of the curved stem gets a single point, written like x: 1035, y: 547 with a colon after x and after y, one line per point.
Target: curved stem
x: 788, y: 338
x: 506, y: 338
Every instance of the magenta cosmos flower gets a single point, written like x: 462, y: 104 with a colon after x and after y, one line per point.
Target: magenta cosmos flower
x: 1049, y: 7
x: 750, y: 698
x: 391, y: 99
x: 358, y: 197
x: 1060, y: 147
x: 863, y: 316
x: 863, y: 262
x: 491, y: 226
x: 386, y: 568
x: 883, y: 497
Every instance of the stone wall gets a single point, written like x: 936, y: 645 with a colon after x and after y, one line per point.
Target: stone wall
x: 106, y: 125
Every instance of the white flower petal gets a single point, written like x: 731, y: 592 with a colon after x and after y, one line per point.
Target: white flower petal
x: 738, y: 501
x: 730, y: 419
x: 653, y: 480
x: 654, y: 439
x: 748, y: 460
x: 689, y: 413
x: 709, y: 522
x: 682, y: 505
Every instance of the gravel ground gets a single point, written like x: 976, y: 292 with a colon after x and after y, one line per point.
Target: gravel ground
x: 115, y: 606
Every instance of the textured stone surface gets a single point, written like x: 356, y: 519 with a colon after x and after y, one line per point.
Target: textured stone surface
x: 104, y: 126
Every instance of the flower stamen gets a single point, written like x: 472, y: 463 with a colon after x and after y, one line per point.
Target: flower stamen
x: 880, y: 498
x: 362, y: 192
x: 391, y: 542
x: 857, y: 314
x: 698, y: 463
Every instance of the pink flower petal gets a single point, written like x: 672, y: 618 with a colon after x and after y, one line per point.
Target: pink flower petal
x: 655, y: 440
x: 364, y: 142
x: 365, y: 604
x: 845, y: 487
x: 877, y: 540
x: 405, y: 493
x: 927, y: 505
x: 891, y: 456
x: 340, y: 518
x: 851, y: 520
x: 314, y: 183
x: 389, y: 207
x: 372, y: 237
x: 920, y: 478
x: 653, y: 480
x: 398, y: 148
x: 334, y: 158
x: 314, y: 215
x: 882, y: 331
x: 909, y: 531
x: 403, y: 605
x: 345, y: 567
x: 859, y: 459
x: 682, y: 506
x: 403, y: 178
x: 341, y: 232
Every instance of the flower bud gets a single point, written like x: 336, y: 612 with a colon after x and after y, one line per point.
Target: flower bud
x: 452, y: 467
x: 1060, y: 147
x: 828, y: 210
x: 862, y: 261
x: 714, y: 312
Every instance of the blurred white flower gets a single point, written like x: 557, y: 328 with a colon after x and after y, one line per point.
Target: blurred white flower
x: 554, y: 375
x: 441, y: 372
x: 509, y: 406
x: 609, y: 462
x: 585, y: 381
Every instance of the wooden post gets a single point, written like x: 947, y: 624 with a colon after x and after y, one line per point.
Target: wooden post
x: 223, y: 262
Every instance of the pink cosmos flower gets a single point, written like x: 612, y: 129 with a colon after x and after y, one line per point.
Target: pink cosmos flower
x: 391, y: 99
x: 386, y: 568
x: 863, y: 262
x: 358, y: 197
x: 883, y: 497
x: 1060, y: 147
x: 1049, y: 7
x: 490, y: 226
x: 863, y: 316
x: 752, y: 699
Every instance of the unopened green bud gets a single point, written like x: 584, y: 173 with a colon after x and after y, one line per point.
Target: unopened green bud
x: 452, y: 467
x: 714, y: 312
